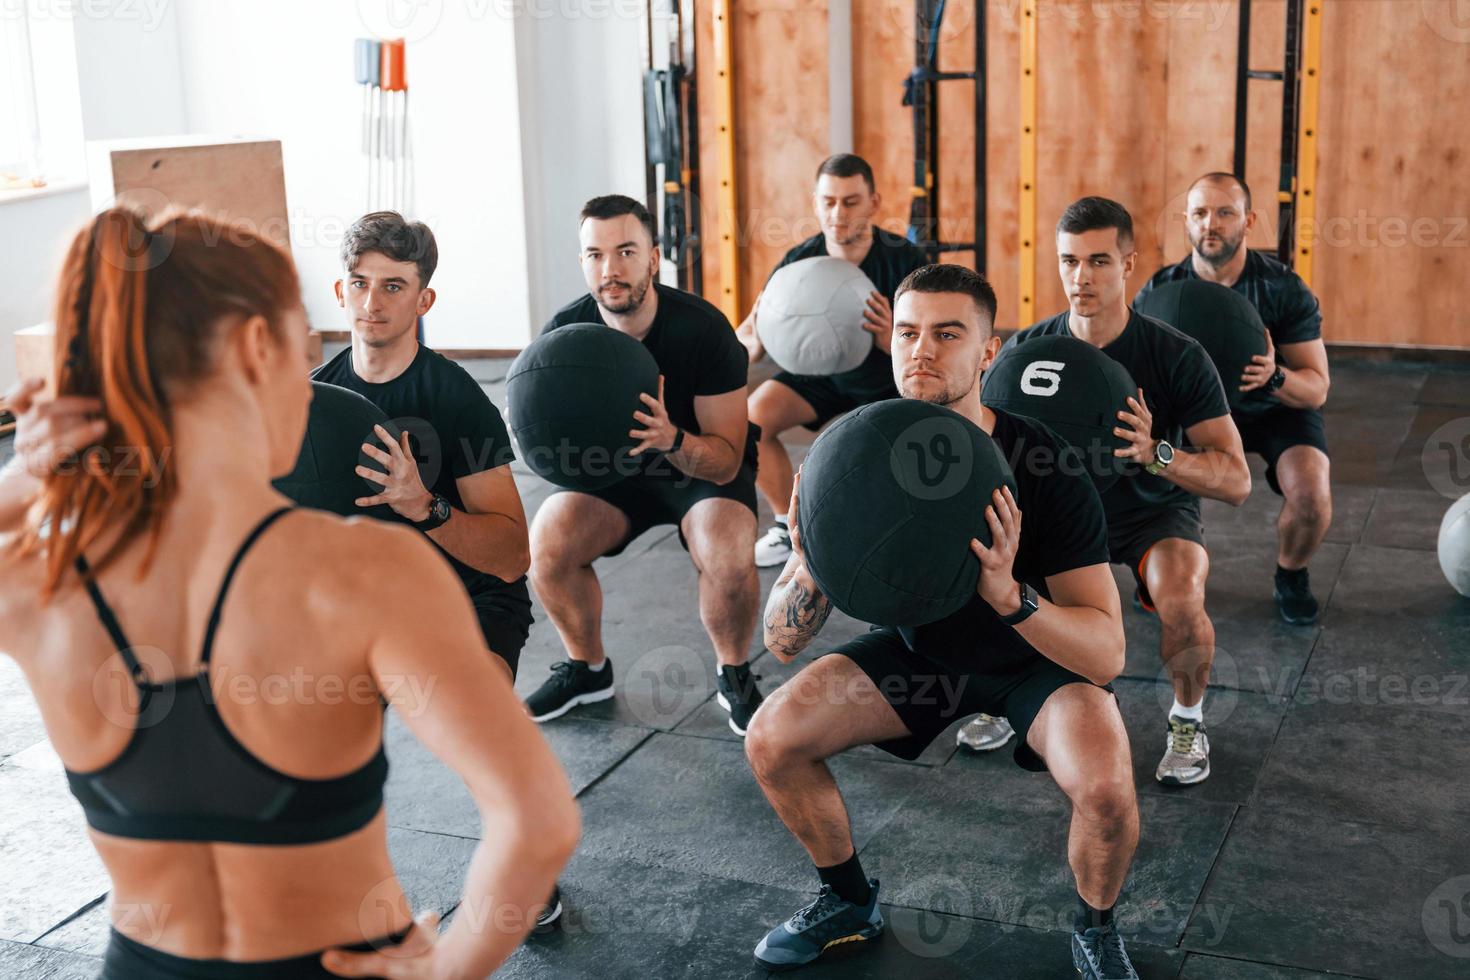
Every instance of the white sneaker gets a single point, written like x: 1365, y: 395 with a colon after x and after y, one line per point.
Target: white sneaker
x: 1186, y: 758
x: 985, y: 734
x: 774, y: 548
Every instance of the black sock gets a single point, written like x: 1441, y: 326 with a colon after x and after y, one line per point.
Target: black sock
x: 1091, y: 918
x: 848, y: 881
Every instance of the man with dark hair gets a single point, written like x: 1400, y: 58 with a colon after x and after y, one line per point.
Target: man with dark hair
x: 698, y: 471
x: 845, y: 202
x: 1291, y: 437
x: 1040, y: 641
x: 449, y: 473
x: 1153, y: 514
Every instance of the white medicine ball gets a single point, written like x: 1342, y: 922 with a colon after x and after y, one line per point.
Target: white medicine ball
x: 810, y: 318
x: 1454, y: 545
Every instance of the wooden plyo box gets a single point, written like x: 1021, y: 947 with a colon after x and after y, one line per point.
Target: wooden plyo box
x: 233, y: 179
x: 239, y: 180
x: 33, y: 352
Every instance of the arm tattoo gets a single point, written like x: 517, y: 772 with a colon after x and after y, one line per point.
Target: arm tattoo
x: 794, y: 616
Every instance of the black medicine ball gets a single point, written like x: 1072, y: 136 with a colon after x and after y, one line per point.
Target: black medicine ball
x: 891, y: 495
x: 1226, y: 325
x: 1072, y: 388
x: 571, y: 396
x: 325, y: 476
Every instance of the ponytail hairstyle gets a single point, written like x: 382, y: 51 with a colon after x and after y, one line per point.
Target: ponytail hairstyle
x: 142, y: 310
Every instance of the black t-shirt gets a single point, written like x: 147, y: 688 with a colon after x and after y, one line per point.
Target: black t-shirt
x: 695, y: 348
x: 1062, y: 528
x: 1181, y: 388
x: 454, y: 430
x: 890, y: 258
x: 1285, y: 303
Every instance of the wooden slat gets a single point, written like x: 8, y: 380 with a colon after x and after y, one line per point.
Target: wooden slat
x: 1104, y: 99
x: 781, y: 104
x: 1393, y: 153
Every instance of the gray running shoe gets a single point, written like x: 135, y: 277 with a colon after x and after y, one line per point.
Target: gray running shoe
x: 985, y: 734
x: 1186, y: 758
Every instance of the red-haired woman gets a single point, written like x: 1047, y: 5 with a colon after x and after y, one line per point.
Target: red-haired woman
x: 209, y: 661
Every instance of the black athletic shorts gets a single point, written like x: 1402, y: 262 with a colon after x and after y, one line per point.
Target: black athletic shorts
x: 1274, y: 432
x: 127, y: 959
x: 929, y: 696
x: 652, y: 499
x: 505, y: 621
x: 830, y: 395
x: 1129, y: 542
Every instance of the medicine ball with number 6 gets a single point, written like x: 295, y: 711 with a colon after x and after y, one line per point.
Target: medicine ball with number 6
x: 571, y: 395
x: 1072, y: 388
x: 891, y: 495
x: 1226, y: 325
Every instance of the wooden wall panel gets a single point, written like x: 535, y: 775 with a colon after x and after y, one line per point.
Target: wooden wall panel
x: 1103, y: 93
x: 781, y: 133
x: 883, y: 53
x: 1137, y: 98
x: 1201, y: 117
x: 1394, y: 150
x: 1263, y: 133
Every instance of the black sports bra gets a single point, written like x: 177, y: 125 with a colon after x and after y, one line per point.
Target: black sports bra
x: 184, y: 776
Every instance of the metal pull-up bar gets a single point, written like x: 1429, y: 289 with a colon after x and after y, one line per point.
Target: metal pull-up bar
x: 1300, y: 78
x: 921, y: 94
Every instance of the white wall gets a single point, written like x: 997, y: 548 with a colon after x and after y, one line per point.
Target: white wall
x: 128, y: 71
x: 283, y: 69
x: 516, y: 123
x: 34, y: 234
x: 582, y: 131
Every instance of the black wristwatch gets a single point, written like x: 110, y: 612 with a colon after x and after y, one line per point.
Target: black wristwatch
x: 1028, y: 606
x: 1274, y: 383
x: 678, y: 441
x: 439, y: 512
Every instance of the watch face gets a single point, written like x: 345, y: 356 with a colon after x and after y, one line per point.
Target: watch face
x: 440, y: 510
x: 1165, y: 453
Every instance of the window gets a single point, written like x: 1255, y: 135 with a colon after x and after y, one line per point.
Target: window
x: 40, y: 101
x: 20, y: 138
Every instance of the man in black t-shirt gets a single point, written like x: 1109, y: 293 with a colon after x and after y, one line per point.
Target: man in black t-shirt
x: 1153, y: 511
x: 1291, y: 436
x: 697, y: 473
x: 450, y: 474
x: 845, y: 201
x: 1040, y: 642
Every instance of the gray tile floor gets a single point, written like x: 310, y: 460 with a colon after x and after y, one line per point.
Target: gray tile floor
x: 1330, y: 840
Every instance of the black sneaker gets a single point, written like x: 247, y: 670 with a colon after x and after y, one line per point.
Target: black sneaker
x: 571, y: 683
x: 1098, y: 954
x: 737, y: 694
x: 549, y: 919
x: 1294, y: 597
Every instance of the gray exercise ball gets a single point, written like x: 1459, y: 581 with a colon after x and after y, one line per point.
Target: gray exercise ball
x: 810, y: 318
x: 1454, y: 545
